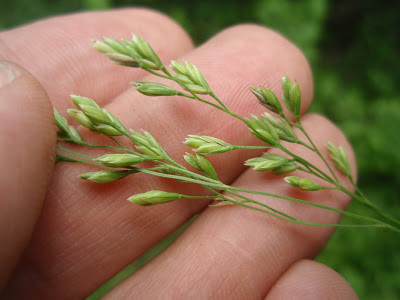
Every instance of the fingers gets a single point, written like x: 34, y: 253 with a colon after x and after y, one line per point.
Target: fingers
x: 91, y: 230
x: 27, y: 148
x: 309, y: 280
x: 234, y: 252
x: 57, y: 51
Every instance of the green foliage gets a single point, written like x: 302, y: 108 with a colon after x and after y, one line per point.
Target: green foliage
x: 97, y: 4
x: 353, y: 47
x: 300, y: 21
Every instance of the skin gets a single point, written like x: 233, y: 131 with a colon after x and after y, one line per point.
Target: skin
x: 63, y: 237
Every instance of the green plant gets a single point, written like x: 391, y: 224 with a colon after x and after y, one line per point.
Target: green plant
x: 271, y: 129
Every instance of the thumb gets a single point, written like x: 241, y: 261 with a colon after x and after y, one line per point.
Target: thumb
x: 27, y: 149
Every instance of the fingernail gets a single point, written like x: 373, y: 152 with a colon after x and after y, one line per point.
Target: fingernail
x: 8, y: 72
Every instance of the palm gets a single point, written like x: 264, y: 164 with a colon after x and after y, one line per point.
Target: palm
x: 87, y: 232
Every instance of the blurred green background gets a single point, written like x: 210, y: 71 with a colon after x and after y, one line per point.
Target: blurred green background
x: 353, y: 47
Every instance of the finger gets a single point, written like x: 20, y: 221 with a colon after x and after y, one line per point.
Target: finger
x: 309, y: 280
x: 86, y: 217
x: 57, y: 50
x: 233, y: 252
x: 27, y: 148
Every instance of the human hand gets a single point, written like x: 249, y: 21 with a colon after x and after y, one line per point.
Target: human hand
x: 86, y: 233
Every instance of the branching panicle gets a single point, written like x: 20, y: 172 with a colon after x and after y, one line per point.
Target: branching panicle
x: 267, y: 128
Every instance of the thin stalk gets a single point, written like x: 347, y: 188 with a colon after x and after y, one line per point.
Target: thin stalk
x: 234, y: 147
x: 117, y: 142
x: 105, y: 147
x: 279, y: 215
x: 305, y: 145
x: 238, y: 117
x: 182, y: 178
x: 364, y: 200
x: 195, y: 97
x: 188, y: 173
x: 174, y: 163
x: 231, y: 113
x: 381, y: 213
x: 261, y: 204
x: 289, y: 121
x: 77, y: 160
x: 219, y: 101
x: 155, y: 73
x: 343, y: 212
x: 75, y: 153
x: 92, y: 158
x: 316, y: 149
x: 297, y: 221
x: 309, y: 171
x: 164, y: 69
x: 74, y: 159
x: 197, y: 197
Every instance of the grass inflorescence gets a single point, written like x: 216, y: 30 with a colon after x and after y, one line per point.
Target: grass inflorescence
x: 272, y: 129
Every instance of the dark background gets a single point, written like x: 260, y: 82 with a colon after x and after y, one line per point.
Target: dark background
x: 353, y: 47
